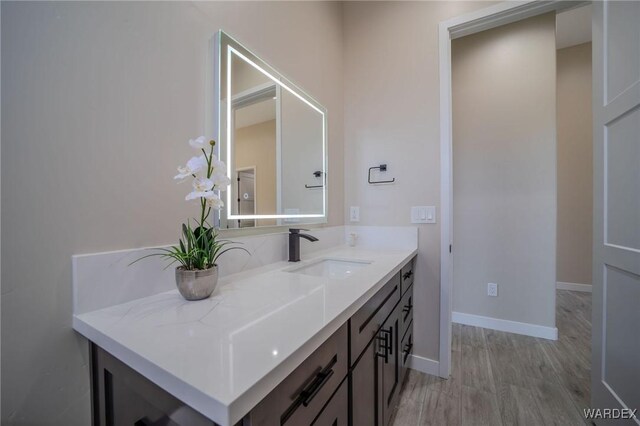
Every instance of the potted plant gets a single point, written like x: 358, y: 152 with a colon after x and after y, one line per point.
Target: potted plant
x: 199, y: 247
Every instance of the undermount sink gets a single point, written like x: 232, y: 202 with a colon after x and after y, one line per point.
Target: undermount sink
x: 330, y: 268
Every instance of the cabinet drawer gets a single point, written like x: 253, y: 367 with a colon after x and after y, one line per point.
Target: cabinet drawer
x: 406, y: 275
x: 365, y: 323
x: 298, y: 399
x: 406, y: 310
x: 406, y: 349
x: 336, y: 412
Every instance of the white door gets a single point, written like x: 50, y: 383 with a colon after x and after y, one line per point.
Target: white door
x: 616, y: 274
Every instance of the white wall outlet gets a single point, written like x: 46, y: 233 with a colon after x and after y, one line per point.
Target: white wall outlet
x: 354, y: 216
x: 492, y: 289
x: 423, y: 214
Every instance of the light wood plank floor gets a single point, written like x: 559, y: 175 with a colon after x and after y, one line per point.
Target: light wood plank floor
x: 507, y: 379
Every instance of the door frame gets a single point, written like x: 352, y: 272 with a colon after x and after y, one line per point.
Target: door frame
x: 470, y: 23
x: 255, y: 184
x: 255, y: 192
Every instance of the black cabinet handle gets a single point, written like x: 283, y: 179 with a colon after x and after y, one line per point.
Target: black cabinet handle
x: 386, y: 345
x: 407, y: 308
x: 305, y: 397
x: 308, y: 394
x: 407, y: 350
x: 407, y: 275
x: 322, y: 377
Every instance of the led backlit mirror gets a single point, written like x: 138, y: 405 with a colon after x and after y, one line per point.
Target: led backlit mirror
x: 273, y: 138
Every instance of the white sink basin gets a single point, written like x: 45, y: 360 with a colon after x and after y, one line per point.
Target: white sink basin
x: 330, y: 268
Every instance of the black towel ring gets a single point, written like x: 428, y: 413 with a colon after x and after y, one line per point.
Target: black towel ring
x: 382, y: 168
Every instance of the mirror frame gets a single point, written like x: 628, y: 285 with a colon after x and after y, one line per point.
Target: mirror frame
x: 224, y: 47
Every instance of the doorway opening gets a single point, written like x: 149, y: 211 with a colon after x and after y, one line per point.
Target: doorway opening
x: 496, y: 16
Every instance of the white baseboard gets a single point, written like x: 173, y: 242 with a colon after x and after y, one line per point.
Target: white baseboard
x: 425, y: 365
x: 573, y: 286
x: 516, y: 327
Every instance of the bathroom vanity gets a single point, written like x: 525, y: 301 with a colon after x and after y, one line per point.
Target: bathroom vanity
x: 280, y: 345
x: 325, y: 341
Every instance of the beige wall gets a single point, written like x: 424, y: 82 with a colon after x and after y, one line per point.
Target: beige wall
x: 392, y: 116
x: 98, y: 101
x: 255, y: 146
x: 575, y: 164
x: 504, y: 171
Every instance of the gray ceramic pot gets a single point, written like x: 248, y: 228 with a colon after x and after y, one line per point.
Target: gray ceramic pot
x: 198, y: 284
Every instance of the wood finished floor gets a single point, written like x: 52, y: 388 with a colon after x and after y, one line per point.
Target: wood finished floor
x: 507, y: 379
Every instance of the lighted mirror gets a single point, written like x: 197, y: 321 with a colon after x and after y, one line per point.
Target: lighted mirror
x: 273, y: 137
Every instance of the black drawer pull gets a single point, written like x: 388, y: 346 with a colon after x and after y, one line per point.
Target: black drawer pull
x: 407, y: 275
x: 308, y: 394
x: 305, y: 397
x: 407, y: 309
x: 407, y: 350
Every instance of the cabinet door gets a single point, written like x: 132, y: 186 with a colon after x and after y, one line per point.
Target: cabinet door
x: 366, y: 387
x: 390, y: 362
x: 122, y: 396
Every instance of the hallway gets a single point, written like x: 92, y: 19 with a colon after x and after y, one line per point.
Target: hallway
x: 507, y: 379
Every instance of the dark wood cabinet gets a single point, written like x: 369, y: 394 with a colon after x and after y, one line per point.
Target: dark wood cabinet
x: 353, y: 378
x: 377, y: 375
x: 121, y: 396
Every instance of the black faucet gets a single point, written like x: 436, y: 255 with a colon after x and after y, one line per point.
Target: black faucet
x: 294, y: 243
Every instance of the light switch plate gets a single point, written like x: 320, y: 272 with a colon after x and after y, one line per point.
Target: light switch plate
x: 354, y: 216
x: 423, y: 214
x: 492, y: 289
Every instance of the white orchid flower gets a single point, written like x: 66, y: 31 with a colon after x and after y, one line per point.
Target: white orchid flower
x: 215, y: 203
x: 199, y: 143
x: 201, y: 184
x: 221, y: 181
x: 212, y: 199
x: 194, y: 165
x: 200, y: 194
x: 218, y: 166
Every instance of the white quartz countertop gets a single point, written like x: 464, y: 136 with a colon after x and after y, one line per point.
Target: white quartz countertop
x: 222, y: 355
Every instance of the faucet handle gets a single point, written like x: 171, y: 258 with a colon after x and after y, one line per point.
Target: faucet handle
x: 297, y: 230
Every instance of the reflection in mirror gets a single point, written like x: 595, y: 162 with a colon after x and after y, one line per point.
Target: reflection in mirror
x: 273, y: 137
